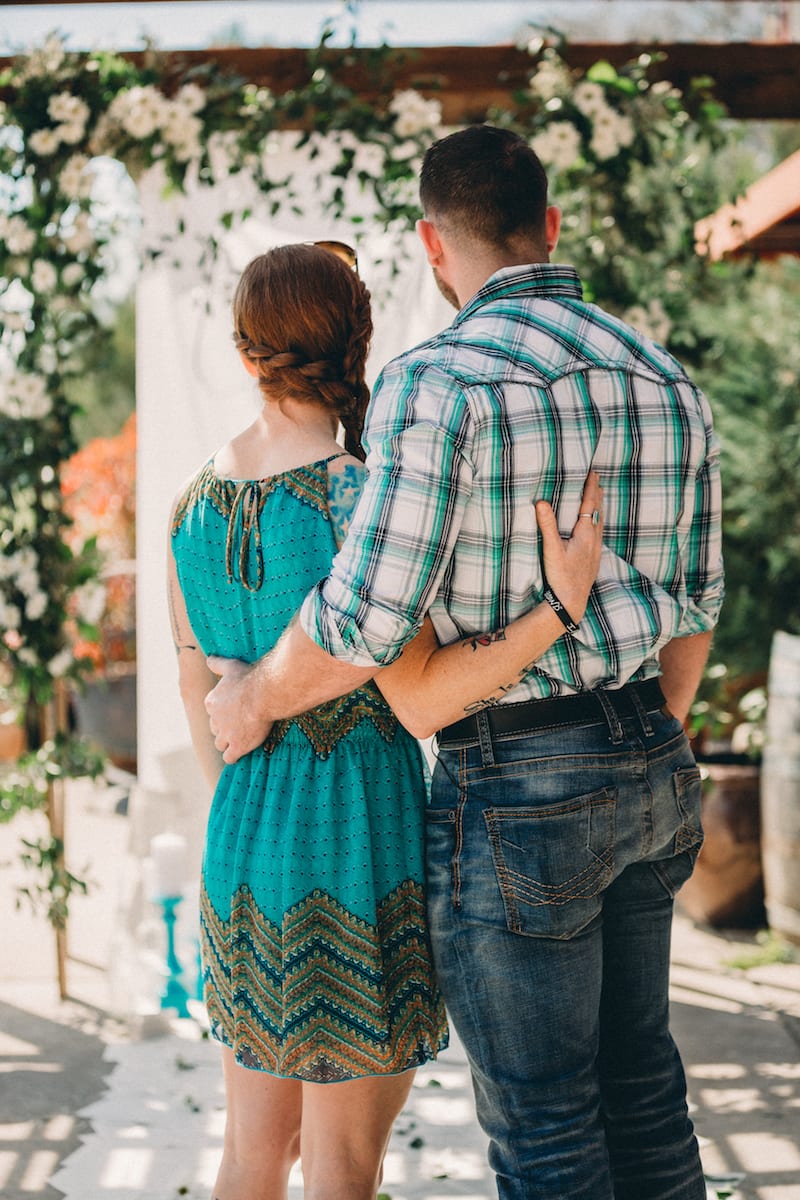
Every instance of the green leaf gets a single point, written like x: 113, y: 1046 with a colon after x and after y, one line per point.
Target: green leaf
x: 602, y: 72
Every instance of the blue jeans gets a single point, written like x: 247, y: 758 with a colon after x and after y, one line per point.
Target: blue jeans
x: 552, y: 863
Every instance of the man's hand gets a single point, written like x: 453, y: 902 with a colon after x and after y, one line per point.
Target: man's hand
x: 232, y: 707
x: 571, y: 564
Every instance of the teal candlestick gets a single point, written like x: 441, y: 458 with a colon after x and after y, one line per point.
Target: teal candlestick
x: 174, y: 994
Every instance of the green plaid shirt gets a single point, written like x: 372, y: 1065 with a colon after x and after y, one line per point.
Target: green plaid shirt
x: 526, y: 390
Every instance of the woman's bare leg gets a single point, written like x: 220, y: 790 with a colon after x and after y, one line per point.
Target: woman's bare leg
x: 346, y: 1129
x: 262, y: 1133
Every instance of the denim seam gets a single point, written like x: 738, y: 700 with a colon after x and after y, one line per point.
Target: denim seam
x: 458, y: 830
x: 502, y: 874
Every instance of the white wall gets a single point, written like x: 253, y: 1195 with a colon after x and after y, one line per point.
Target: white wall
x: 192, y: 395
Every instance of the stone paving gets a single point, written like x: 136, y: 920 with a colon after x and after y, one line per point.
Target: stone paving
x: 96, y: 1106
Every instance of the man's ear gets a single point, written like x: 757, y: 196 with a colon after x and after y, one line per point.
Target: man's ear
x: 429, y: 236
x: 552, y: 227
x: 248, y: 364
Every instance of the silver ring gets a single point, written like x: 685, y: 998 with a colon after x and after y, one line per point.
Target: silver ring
x: 594, y: 517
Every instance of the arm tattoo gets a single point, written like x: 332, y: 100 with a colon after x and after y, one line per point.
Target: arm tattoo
x: 486, y: 639
x: 178, y: 635
x: 491, y: 701
x: 344, y: 489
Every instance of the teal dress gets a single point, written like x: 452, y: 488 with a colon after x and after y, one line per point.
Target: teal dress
x: 316, y: 960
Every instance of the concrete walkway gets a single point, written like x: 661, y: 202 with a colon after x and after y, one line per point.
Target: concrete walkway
x: 94, y: 1108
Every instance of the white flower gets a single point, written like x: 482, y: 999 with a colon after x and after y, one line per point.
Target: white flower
x: 27, y: 656
x: 414, y: 114
x: 19, y: 237
x: 182, y: 131
x: 105, y: 134
x: 191, y: 97
x: 370, y: 159
x: 25, y: 397
x: 74, y: 180
x: 61, y: 304
x: 81, y: 238
x: 46, y: 60
x: 44, y: 142
x: 90, y: 599
x: 36, y: 606
x: 558, y: 146
x: 589, y: 98
x: 549, y: 79
x: 611, y: 132
x: 60, y: 663
x: 48, y: 359
x: 72, y: 275
x: 44, y: 276
x: 27, y: 557
x: 72, y: 133
x: 65, y: 108
x: 223, y: 152
x: 14, y: 322
x: 140, y: 111
x: 27, y: 580
x: 9, y: 615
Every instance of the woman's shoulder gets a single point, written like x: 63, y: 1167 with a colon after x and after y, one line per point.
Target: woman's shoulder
x: 190, y: 491
x: 346, y: 477
x: 344, y: 468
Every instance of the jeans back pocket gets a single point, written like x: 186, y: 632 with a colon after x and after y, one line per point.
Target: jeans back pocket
x: 553, y: 862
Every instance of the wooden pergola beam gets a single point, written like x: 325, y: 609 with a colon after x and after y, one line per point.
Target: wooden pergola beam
x: 755, y: 80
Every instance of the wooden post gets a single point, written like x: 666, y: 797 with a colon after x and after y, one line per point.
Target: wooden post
x: 53, y: 720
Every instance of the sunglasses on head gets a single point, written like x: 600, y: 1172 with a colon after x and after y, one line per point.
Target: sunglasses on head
x: 341, y: 249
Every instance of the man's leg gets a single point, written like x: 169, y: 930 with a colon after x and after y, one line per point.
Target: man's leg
x: 525, y: 1007
x: 650, y: 1138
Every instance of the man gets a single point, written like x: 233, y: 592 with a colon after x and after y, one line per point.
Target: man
x: 563, y: 820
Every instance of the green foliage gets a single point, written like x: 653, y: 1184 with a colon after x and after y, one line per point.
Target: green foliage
x: 24, y: 784
x: 54, y: 885
x: 104, y: 395
x: 751, y: 373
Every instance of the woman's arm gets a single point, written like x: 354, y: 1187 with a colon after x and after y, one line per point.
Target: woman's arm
x: 194, y: 678
x: 430, y: 685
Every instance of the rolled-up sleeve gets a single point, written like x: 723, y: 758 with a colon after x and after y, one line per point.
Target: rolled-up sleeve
x: 701, y: 552
x: 404, y: 528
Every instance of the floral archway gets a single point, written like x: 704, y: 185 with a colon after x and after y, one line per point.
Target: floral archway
x: 630, y: 162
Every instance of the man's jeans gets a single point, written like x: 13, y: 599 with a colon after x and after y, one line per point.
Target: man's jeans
x: 553, y: 859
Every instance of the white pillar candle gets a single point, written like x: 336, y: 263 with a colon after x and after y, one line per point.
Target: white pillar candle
x: 168, y: 854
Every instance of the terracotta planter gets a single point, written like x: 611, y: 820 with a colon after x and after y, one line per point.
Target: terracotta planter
x: 12, y: 737
x: 726, y: 888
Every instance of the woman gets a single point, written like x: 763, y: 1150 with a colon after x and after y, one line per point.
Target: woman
x: 317, y: 971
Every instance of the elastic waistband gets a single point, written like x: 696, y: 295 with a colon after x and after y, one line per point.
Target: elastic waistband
x: 584, y: 708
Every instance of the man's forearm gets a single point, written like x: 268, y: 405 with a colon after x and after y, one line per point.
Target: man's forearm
x: 682, y: 664
x: 295, y: 676
x: 298, y: 675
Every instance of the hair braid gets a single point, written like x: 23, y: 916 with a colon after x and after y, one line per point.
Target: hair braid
x: 302, y: 316
x: 352, y: 413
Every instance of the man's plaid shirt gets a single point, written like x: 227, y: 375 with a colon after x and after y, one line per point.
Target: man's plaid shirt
x: 515, y: 401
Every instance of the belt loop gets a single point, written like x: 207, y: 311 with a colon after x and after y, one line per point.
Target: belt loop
x: 485, y: 739
x: 642, y: 711
x: 614, y: 723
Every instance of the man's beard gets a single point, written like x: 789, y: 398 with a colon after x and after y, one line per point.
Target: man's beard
x: 446, y: 290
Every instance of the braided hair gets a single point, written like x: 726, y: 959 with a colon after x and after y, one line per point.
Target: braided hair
x: 303, y: 317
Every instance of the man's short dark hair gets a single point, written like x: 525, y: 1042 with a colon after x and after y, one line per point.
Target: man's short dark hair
x: 487, y: 182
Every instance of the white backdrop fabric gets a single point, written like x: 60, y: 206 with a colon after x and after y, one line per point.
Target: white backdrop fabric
x: 192, y: 394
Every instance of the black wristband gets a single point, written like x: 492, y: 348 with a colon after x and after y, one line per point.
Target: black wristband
x: 559, y: 609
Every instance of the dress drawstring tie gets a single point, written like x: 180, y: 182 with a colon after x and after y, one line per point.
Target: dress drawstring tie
x: 247, y: 501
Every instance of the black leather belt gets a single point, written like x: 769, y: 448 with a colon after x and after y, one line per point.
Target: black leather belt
x: 529, y: 716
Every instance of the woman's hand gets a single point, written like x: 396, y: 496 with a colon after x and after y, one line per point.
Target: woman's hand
x: 571, y: 564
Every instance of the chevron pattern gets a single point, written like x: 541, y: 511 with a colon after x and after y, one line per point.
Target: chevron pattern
x: 327, y: 996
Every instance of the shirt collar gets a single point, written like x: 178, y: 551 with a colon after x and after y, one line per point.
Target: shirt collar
x: 544, y: 281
